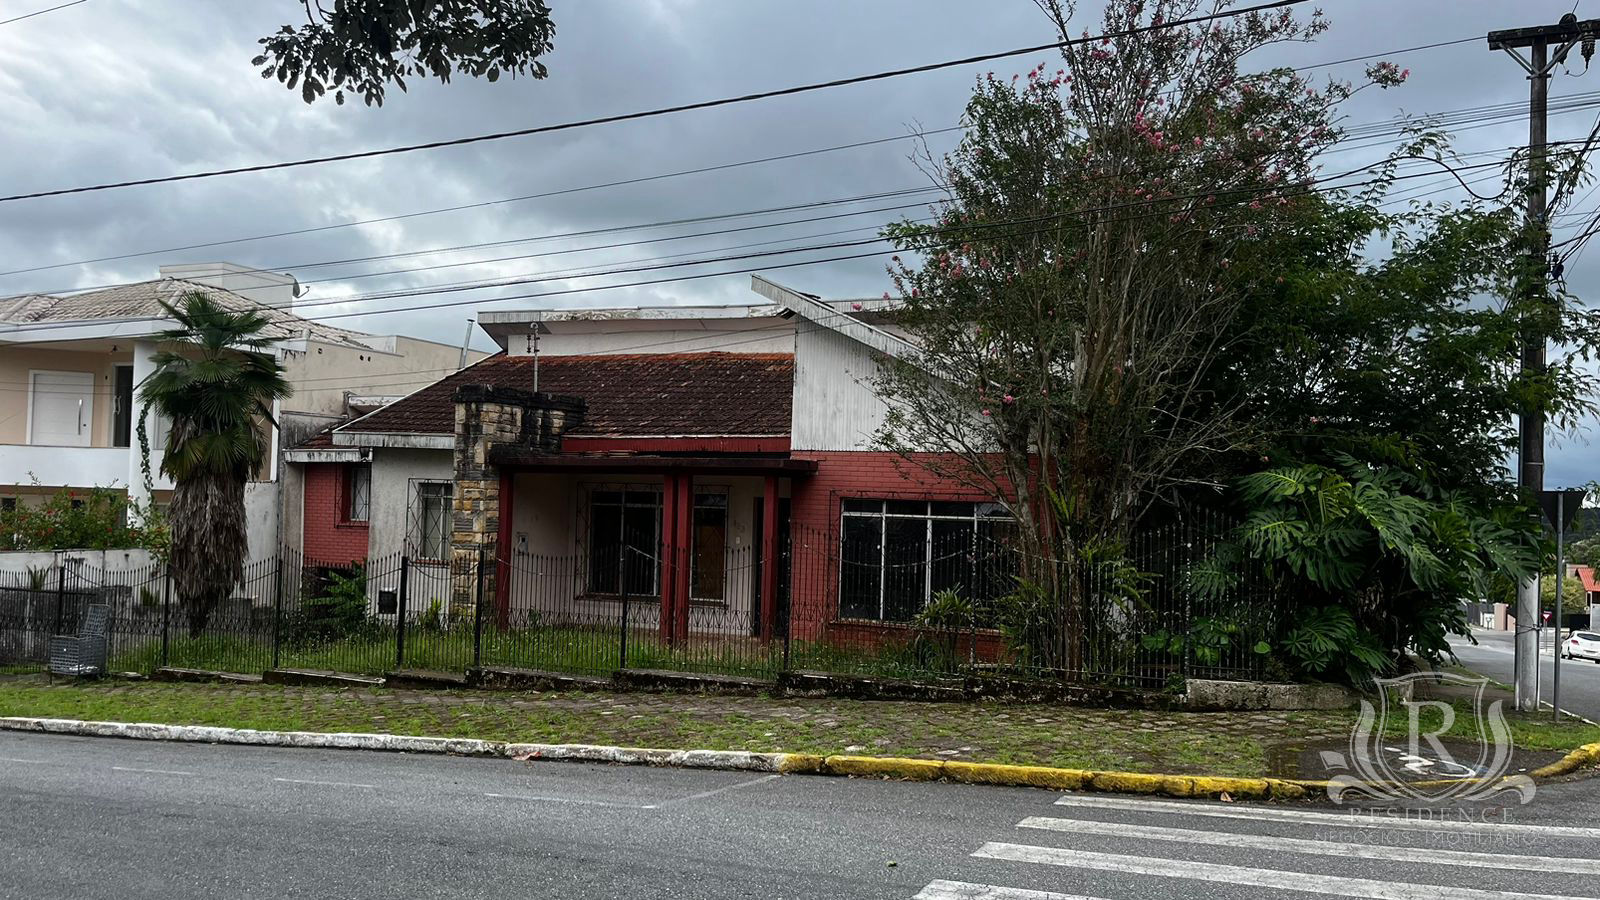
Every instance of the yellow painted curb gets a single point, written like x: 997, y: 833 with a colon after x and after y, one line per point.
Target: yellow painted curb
x: 1587, y: 755
x: 1183, y: 786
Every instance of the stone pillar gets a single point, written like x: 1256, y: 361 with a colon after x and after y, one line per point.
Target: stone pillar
x: 488, y: 418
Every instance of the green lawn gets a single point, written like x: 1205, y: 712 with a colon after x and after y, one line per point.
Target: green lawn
x: 572, y: 649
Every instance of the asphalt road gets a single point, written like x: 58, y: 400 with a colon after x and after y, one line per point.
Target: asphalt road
x: 1492, y: 657
x: 88, y: 818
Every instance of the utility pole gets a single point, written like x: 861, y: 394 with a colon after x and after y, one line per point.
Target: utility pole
x: 1530, y: 463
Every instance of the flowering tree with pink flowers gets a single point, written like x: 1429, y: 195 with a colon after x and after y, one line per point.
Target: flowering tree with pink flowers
x: 1147, y: 285
x: 1106, y: 214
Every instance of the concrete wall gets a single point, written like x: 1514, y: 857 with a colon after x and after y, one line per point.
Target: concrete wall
x: 393, y: 471
x: 323, y: 374
x: 551, y: 520
x: 15, y: 364
x: 660, y: 336
x: 261, y: 519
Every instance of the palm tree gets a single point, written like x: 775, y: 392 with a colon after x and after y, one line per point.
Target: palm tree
x: 216, y: 381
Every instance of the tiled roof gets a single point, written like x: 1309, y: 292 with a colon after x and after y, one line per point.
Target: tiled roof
x: 143, y: 300
x: 1586, y: 574
x: 631, y: 395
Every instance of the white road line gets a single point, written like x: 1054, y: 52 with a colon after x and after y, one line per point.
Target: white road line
x: 37, y: 762
x: 1352, y: 819
x: 150, y: 771
x: 1564, y: 864
x: 322, y: 783
x: 1337, y: 885
x: 961, y: 890
x: 714, y: 791
x: 572, y: 800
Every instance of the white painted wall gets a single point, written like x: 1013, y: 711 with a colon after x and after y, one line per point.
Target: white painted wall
x: 393, y: 471
x: 551, y: 517
x: 835, y: 407
x: 261, y: 519
x: 765, y: 335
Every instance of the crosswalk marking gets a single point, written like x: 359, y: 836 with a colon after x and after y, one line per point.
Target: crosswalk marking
x: 961, y: 890
x: 1568, y: 865
x: 1351, y: 819
x: 1336, y: 885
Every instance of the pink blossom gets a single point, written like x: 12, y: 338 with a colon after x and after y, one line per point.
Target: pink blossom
x: 1008, y: 399
x: 986, y: 412
x: 855, y: 306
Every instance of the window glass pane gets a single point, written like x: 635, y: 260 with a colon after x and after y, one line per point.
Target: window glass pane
x: 433, y: 520
x: 360, y: 488
x: 995, y: 560
x: 640, y: 526
x: 906, y: 507
x: 707, y: 575
x: 951, y: 554
x: 905, y: 568
x: 859, y: 505
x: 642, y: 498
x: 860, y: 558
x: 991, y: 510
x: 605, y: 547
x: 718, y: 500
x: 946, y: 508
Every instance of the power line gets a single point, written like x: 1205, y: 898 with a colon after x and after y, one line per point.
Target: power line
x: 591, y: 187
x: 1368, y: 130
x: 486, y: 203
x: 483, y: 285
x: 40, y: 12
x: 661, y: 111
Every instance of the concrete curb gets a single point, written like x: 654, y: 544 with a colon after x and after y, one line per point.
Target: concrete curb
x: 732, y: 760
x: 1180, y: 786
x: 1587, y: 755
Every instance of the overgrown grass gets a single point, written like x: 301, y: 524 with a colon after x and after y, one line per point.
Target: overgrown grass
x: 1529, y: 731
x: 1034, y: 734
x: 569, y: 648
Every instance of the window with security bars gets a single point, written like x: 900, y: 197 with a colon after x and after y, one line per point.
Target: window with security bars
x: 895, y: 555
x: 430, y: 519
x: 708, y: 563
x: 624, y: 533
x: 357, y: 492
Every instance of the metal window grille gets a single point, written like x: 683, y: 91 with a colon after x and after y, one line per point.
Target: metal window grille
x: 430, y: 518
x: 358, y: 492
x: 895, y: 555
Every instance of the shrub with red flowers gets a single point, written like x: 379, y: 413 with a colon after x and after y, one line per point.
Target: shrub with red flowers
x: 94, y: 519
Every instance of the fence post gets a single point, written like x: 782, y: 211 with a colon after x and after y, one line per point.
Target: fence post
x: 622, y: 646
x: 277, y: 608
x: 400, y: 613
x: 61, y: 590
x: 477, y: 617
x: 166, y: 614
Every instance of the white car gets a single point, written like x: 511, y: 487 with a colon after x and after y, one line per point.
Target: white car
x: 1582, y: 645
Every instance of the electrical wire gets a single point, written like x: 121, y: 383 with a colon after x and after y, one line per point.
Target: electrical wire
x: 40, y: 12
x: 665, y: 110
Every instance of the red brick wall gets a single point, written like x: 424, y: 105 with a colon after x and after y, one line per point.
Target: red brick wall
x: 814, y: 522
x: 328, y: 538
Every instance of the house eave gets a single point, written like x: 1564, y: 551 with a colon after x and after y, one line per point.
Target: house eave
x: 402, y: 440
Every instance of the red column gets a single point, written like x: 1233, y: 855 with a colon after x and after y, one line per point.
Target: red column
x: 502, y: 579
x: 685, y: 543
x: 668, y: 549
x: 769, y: 559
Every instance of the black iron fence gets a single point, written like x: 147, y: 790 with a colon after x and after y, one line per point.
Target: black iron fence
x: 920, y: 598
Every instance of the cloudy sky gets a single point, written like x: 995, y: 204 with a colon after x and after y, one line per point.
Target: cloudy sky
x: 116, y: 89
